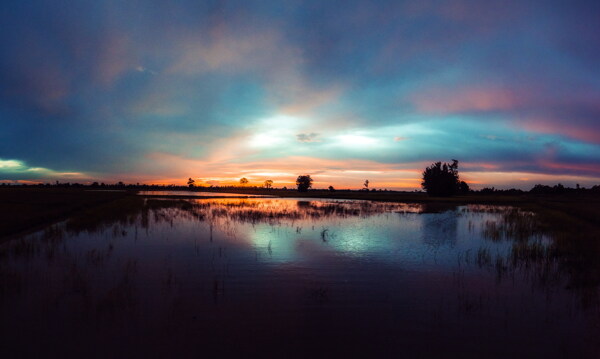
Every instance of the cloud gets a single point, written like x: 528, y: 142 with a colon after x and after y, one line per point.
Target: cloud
x: 18, y: 170
x: 308, y: 137
x: 536, y: 108
x: 474, y: 99
x: 105, y: 89
x: 143, y: 69
x: 113, y: 58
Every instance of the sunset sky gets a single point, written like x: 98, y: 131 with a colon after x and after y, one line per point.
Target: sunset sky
x: 159, y: 91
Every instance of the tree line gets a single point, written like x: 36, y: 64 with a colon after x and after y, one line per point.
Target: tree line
x: 438, y: 180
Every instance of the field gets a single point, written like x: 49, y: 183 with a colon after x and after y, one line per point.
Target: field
x: 566, y: 210
x: 24, y: 209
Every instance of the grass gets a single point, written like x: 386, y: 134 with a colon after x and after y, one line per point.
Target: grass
x: 573, y: 253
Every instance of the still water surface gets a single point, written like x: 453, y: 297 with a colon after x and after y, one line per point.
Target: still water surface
x: 292, y: 277
x: 197, y: 194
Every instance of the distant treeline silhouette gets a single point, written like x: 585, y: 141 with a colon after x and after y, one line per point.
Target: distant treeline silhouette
x: 538, y: 189
x: 542, y: 189
x: 442, y: 179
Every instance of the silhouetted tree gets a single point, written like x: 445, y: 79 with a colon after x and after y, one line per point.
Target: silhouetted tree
x: 331, y: 189
x: 243, y: 181
x: 304, y: 183
x: 441, y: 179
x: 463, y: 187
x: 268, y: 184
x: 366, y: 184
x: 541, y: 189
x: 191, y: 182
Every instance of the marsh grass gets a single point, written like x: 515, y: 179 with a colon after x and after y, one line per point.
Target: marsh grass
x: 550, y: 244
x: 515, y: 224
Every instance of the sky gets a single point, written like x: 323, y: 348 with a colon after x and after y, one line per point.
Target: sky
x: 159, y: 91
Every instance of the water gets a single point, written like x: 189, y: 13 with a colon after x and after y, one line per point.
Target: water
x: 293, y: 277
x: 196, y: 194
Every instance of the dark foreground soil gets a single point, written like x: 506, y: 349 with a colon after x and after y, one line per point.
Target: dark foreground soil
x: 25, y: 209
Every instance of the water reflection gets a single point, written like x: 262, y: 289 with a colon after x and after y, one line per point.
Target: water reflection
x: 193, y: 277
x: 198, y: 194
x: 440, y: 229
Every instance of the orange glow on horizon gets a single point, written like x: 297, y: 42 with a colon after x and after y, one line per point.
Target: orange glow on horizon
x: 325, y: 172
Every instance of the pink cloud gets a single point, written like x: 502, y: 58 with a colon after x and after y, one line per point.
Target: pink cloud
x: 224, y: 50
x: 532, y: 108
x: 591, y: 168
x: 445, y: 101
x: 114, y: 58
x: 561, y: 127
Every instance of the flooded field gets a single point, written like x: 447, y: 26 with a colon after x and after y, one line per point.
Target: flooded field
x: 297, y: 277
x: 194, y: 194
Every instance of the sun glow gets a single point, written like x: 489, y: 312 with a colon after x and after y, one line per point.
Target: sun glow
x: 356, y: 140
x: 275, y: 131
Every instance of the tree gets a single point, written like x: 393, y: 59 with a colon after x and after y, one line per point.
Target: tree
x: 366, y: 184
x: 191, y: 182
x: 268, y: 184
x: 331, y: 189
x: 463, y: 187
x: 243, y: 181
x: 441, y: 179
x: 304, y: 183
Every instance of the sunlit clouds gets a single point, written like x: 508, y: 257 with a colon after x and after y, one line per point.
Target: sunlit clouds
x: 14, y: 171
